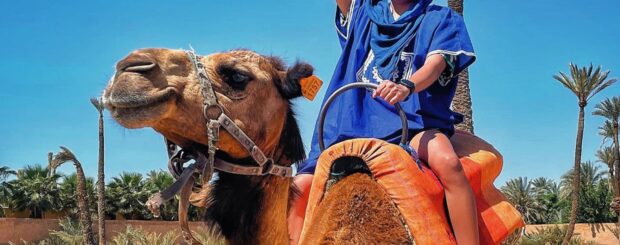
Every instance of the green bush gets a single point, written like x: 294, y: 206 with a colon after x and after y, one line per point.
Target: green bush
x: 209, y: 236
x: 137, y: 236
x: 550, y: 235
x: 70, y: 233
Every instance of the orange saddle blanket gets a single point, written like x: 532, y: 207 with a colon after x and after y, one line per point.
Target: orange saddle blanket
x: 417, y: 192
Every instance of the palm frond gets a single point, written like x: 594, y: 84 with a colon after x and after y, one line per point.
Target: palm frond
x: 567, y: 82
x: 602, y: 86
x: 606, y: 155
x: 608, y: 108
x: 97, y: 103
x: 606, y: 130
x: 5, y: 172
x: 63, y: 156
x: 585, y: 82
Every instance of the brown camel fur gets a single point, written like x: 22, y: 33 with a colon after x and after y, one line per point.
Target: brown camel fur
x: 356, y: 210
x: 158, y: 88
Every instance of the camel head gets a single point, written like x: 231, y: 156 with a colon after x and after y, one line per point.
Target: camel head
x: 159, y: 88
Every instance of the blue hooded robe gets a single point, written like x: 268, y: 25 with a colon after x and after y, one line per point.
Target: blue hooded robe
x: 375, y: 47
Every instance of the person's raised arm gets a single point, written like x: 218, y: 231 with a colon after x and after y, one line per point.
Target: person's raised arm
x: 344, y: 6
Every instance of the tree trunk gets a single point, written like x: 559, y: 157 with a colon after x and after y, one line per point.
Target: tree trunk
x: 576, y: 176
x: 101, y: 184
x: 456, y: 5
x: 462, y: 98
x: 83, y: 206
x: 616, y: 165
x: 462, y: 103
x: 50, y: 157
x: 51, y: 170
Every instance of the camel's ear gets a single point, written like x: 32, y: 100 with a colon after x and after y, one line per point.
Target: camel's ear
x: 292, y: 79
x: 298, y: 80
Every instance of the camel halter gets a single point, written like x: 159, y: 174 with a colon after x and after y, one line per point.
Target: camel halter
x: 205, y: 164
x: 216, y: 117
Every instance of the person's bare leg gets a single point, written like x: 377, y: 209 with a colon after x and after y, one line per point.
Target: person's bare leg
x: 297, y: 211
x: 435, y: 148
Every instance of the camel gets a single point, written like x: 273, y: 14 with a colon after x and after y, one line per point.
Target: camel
x: 160, y: 89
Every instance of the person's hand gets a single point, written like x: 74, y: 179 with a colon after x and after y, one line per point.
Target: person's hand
x: 391, y: 92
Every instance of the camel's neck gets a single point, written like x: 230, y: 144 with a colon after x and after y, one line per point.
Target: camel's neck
x: 251, y: 210
x: 272, y: 220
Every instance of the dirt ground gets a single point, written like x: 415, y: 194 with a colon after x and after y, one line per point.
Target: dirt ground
x: 599, y: 233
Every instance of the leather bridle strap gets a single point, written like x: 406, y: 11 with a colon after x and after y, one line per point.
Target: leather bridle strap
x: 265, y: 165
x: 272, y: 169
x: 230, y: 126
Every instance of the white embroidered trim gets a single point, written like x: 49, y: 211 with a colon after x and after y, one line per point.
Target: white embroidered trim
x: 339, y: 32
x: 375, y: 75
x: 361, y: 72
x: 407, y: 57
x: 346, y: 21
x: 455, y: 53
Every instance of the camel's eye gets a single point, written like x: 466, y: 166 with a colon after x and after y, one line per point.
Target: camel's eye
x: 239, y: 78
x: 233, y: 77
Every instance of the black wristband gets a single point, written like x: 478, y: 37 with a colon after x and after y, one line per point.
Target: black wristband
x: 408, y: 83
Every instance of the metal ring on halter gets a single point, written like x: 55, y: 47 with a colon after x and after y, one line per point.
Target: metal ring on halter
x: 212, y: 112
x: 328, y: 102
x: 267, y: 167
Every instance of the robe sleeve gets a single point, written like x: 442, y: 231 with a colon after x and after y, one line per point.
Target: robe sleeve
x: 344, y: 23
x: 451, y: 40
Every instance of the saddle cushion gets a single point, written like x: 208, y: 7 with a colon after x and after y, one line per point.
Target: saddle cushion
x: 417, y: 192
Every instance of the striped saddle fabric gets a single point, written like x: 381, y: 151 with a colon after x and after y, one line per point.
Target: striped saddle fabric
x: 417, y: 192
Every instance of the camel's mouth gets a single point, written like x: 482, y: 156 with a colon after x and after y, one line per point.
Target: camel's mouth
x: 136, y: 107
x: 136, y: 100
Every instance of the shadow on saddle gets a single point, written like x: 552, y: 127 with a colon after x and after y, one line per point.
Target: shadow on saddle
x: 415, y: 190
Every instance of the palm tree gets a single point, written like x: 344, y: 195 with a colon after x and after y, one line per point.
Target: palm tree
x: 65, y: 155
x: 462, y: 99
x: 5, y: 172
x: 98, y: 104
x: 606, y: 130
x: 547, y: 198
x: 68, y: 195
x: 542, y: 185
x: 610, y: 109
x: 584, y: 82
x: 128, y: 195
x: 607, y: 156
x: 590, y: 175
x: 520, y: 193
x: 34, y: 189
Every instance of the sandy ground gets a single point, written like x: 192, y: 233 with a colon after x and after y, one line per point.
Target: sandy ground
x: 599, y: 233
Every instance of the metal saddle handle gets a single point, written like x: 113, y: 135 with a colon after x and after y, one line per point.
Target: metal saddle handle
x: 332, y: 97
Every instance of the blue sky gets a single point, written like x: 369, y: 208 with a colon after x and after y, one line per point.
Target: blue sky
x: 58, y: 54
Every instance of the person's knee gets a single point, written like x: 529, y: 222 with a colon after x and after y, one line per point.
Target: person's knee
x: 449, y: 169
x: 303, y: 182
x: 297, y: 212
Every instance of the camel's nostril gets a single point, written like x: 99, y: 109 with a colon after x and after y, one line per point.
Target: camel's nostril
x: 139, y: 66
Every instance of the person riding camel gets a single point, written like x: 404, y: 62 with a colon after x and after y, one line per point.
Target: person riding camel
x: 414, y: 51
